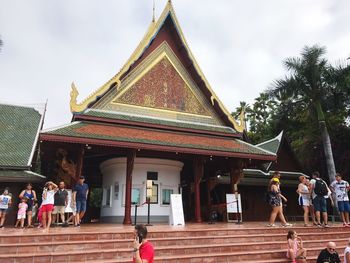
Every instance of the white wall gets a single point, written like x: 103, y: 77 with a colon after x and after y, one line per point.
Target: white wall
x: 114, y: 173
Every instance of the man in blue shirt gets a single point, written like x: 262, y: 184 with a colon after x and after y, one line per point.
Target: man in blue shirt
x: 80, y: 194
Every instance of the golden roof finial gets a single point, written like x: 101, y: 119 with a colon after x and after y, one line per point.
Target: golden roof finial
x: 154, y: 9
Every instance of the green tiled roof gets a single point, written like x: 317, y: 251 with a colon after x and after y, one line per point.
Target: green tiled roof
x: 158, y: 137
x: 18, y: 130
x: 272, y: 145
x: 20, y: 176
x: 159, y: 121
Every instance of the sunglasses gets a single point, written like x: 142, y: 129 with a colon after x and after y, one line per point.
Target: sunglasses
x: 332, y: 249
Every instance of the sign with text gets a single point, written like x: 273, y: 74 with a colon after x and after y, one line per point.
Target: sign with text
x: 176, y: 217
x: 231, y: 203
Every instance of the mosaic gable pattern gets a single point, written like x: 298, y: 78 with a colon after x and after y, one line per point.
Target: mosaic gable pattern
x: 163, y: 88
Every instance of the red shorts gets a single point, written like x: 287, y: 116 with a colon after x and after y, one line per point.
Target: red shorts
x: 46, y: 208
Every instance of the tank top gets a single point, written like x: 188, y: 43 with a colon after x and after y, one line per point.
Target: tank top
x: 30, y: 196
x: 305, y: 189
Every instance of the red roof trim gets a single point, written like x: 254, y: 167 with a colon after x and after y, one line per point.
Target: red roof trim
x: 70, y: 139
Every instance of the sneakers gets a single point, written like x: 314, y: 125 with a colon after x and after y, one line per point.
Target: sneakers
x: 326, y: 226
x: 286, y: 225
x: 271, y: 225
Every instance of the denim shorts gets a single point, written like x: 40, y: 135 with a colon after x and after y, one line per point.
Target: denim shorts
x: 320, y: 204
x: 81, y: 206
x: 3, y: 210
x: 343, y: 206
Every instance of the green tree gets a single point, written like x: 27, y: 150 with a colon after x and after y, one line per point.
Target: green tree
x: 307, y: 87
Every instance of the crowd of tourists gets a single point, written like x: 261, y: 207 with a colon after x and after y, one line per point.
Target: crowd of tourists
x: 313, y: 196
x: 45, y: 210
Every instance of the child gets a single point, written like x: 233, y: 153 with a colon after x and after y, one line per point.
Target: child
x: 295, y: 250
x: 22, y: 211
x: 73, y: 216
x: 5, y: 202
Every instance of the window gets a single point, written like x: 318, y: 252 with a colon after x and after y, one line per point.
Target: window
x: 166, y: 196
x: 107, y: 196
x: 135, y: 196
x: 154, y: 197
x: 152, y: 176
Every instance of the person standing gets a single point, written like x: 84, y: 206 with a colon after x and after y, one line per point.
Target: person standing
x: 340, y: 188
x: 143, y: 249
x: 275, y: 202
x: 304, y: 198
x: 320, y: 191
x: 61, y: 201
x: 30, y: 195
x: 5, y: 202
x: 21, y: 214
x: 311, y: 207
x: 47, y: 204
x: 329, y: 254
x: 80, y: 194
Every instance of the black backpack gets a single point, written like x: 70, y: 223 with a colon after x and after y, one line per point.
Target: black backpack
x: 321, y: 187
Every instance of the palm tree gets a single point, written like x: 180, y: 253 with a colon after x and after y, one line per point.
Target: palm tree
x: 310, y: 78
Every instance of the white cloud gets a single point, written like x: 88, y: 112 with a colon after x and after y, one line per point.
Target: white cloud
x: 239, y: 44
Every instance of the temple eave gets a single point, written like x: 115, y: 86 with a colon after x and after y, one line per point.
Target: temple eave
x: 156, y: 147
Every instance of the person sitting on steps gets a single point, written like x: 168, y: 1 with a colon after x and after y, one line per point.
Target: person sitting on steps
x: 295, y: 250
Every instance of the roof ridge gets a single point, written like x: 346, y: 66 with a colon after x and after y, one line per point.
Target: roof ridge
x: 255, y: 146
x: 75, y: 107
x: 278, y: 137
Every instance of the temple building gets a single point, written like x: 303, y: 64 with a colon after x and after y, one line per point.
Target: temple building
x: 19, y: 148
x: 156, y: 119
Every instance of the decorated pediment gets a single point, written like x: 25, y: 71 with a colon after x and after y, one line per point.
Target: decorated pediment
x: 162, y: 87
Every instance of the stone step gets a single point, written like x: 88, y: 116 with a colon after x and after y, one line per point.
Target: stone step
x: 250, y: 242
x: 34, y: 236
x: 267, y: 250
x: 4, y: 247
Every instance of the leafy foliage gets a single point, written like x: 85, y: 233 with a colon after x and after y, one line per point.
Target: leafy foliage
x: 313, y: 90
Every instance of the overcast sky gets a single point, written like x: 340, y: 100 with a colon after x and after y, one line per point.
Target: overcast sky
x: 239, y: 45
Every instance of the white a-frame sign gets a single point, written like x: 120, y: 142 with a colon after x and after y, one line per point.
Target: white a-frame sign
x: 176, y: 217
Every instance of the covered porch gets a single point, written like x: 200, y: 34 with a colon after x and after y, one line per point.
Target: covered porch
x: 83, y: 149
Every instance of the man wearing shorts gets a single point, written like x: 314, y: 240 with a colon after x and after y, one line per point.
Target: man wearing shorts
x: 340, y: 188
x: 319, y: 200
x: 80, y: 194
x: 61, y: 199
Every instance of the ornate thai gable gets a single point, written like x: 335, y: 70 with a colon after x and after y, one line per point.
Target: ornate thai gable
x: 161, y: 87
x: 161, y: 79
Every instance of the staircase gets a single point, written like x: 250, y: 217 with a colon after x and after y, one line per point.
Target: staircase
x: 194, y: 243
